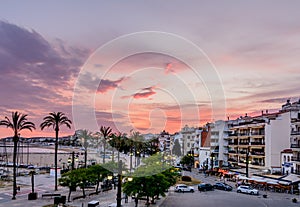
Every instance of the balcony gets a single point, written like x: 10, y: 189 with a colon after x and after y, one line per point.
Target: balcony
x: 258, y: 164
x: 232, y: 160
x: 232, y: 135
x: 257, y: 143
x: 296, y: 159
x: 295, y: 133
x: 295, y: 145
x: 232, y: 151
x: 244, y: 143
x: 232, y: 143
x: 258, y: 153
x: 257, y: 134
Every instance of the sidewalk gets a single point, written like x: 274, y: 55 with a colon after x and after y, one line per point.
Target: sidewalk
x: 44, y: 184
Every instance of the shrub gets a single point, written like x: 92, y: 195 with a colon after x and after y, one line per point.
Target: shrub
x: 186, y: 178
x: 294, y: 200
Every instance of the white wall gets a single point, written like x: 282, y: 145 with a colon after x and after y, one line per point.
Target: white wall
x: 277, y: 138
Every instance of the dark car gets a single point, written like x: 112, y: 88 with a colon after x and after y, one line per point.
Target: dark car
x: 205, y: 187
x: 223, y: 186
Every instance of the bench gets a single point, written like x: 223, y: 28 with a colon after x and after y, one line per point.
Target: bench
x: 93, y: 203
x: 50, y: 195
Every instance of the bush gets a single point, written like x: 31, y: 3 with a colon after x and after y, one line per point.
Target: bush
x: 294, y: 200
x: 186, y: 178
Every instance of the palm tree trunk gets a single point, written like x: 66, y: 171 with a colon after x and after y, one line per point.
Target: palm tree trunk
x: 55, y: 156
x: 104, y: 151
x: 85, y: 158
x: 15, y: 167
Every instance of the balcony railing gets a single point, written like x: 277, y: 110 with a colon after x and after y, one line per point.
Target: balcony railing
x: 232, y: 160
x: 257, y: 143
x: 295, y: 133
x: 232, y: 135
x: 232, y: 151
x: 257, y: 133
x: 258, y: 164
x: 258, y: 153
x: 296, y: 159
x: 244, y: 143
x: 232, y: 143
x: 295, y: 145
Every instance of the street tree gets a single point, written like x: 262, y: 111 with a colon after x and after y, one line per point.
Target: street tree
x: 17, y: 123
x: 56, y: 120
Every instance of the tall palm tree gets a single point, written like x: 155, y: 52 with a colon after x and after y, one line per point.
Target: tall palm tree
x: 17, y: 124
x: 85, y: 137
x: 106, y: 132
x: 56, y: 120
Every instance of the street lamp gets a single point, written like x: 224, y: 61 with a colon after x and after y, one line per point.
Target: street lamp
x: 212, y: 160
x: 247, y: 162
x: 119, y: 190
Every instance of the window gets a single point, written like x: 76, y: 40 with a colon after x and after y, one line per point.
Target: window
x: 284, y: 158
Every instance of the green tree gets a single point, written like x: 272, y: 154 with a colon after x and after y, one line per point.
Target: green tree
x: 106, y: 132
x: 85, y: 137
x: 187, y: 160
x: 56, y: 120
x: 176, y: 148
x: 17, y: 124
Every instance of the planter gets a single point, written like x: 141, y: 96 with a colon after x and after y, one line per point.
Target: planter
x: 294, y: 200
x: 265, y: 195
x: 32, y: 196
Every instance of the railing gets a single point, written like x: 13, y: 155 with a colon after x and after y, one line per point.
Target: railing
x: 232, y: 160
x: 255, y: 133
x: 296, y: 159
x: 231, y: 151
x: 258, y: 153
x: 257, y: 143
x: 295, y: 133
x: 295, y: 145
x: 243, y: 134
x: 258, y: 164
x: 232, y: 143
x: 232, y: 135
x: 244, y: 143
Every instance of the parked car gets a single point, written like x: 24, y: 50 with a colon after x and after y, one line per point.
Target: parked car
x: 184, y: 188
x: 247, y: 189
x: 205, y: 187
x: 223, y: 186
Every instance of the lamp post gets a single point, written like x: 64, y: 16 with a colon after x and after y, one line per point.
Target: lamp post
x: 247, y: 163
x: 212, y: 161
x: 119, y: 190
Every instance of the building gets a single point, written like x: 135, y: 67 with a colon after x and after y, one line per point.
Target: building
x: 258, y: 141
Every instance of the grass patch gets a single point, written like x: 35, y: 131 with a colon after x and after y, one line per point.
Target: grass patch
x: 193, y: 182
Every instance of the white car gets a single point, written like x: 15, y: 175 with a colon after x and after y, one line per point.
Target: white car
x: 247, y: 189
x: 184, y: 188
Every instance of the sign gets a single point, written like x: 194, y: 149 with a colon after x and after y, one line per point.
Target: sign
x: 52, y: 172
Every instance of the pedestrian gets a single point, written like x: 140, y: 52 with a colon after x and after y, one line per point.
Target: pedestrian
x: 126, y: 198
x: 136, y: 200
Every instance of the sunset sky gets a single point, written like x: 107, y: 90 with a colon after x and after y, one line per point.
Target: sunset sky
x: 146, y: 65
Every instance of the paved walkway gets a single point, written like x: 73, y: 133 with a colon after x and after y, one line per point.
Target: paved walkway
x: 44, y: 184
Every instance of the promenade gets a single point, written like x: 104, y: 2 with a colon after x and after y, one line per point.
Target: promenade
x: 45, y: 184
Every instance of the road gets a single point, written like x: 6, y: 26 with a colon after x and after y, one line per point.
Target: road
x: 226, y: 199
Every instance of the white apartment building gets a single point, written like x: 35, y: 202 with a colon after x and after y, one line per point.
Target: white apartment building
x: 262, y: 138
x: 219, y: 143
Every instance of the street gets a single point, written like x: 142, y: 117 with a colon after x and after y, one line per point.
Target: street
x: 224, y: 198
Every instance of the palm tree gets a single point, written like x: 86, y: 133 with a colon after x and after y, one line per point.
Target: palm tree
x: 17, y: 124
x: 85, y: 136
x: 56, y: 120
x: 106, y: 132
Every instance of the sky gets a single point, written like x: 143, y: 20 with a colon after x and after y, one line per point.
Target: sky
x: 146, y: 66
